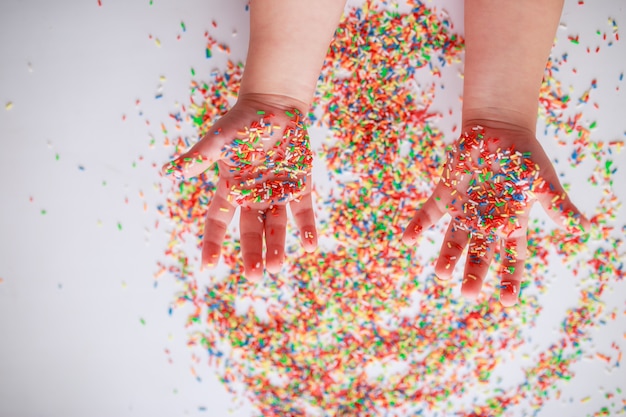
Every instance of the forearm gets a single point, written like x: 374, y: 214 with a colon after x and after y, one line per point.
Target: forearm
x: 289, y: 40
x: 507, y: 46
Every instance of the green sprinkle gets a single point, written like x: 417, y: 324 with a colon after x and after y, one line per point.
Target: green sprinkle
x: 288, y: 113
x: 142, y: 321
x: 119, y: 226
x: 260, y: 112
x: 193, y: 72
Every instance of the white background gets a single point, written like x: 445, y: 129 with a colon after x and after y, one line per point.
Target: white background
x: 75, y: 288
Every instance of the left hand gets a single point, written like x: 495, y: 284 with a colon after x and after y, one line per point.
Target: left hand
x: 491, y: 179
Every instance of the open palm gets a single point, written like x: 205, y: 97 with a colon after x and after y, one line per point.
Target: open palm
x: 491, y: 179
x: 264, y: 164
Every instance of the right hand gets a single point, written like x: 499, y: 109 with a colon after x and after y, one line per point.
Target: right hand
x: 262, y: 151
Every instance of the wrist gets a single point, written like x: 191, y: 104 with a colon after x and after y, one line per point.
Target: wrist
x: 277, y: 101
x: 284, y: 90
x: 501, y: 119
x: 288, y: 43
x: 279, y: 73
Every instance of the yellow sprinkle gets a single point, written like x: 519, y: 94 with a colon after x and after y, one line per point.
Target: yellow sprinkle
x: 9, y: 105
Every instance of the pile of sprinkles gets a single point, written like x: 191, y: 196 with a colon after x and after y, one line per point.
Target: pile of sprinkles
x: 491, y: 200
x: 361, y: 328
x: 273, y: 175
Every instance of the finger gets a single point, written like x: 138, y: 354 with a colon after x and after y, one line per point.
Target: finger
x: 275, y: 232
x: 513, y: 259
x: 426, y: 216
x: 303, y: 214
x: 252, y: 224
x: 197, y: 159
x: 560, y: 208
x: 479, y: 256
x: 219, y: 216
x: 451, y: 250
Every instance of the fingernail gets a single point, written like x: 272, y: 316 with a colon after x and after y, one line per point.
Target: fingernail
x: 207, y: 265
x: 440, y: 281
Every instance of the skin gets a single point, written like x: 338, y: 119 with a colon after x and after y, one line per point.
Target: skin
x: 507, y: 46
x: 280, y: 75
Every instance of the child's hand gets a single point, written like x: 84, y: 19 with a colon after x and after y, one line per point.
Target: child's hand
x: 264, y: 161
x: 491, y: 179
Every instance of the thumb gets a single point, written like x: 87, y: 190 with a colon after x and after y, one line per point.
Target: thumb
x: 197, y: 159
x: 560, y: 208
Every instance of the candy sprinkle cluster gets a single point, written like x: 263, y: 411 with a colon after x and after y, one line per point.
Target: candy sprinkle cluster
x: 490, y: 200
x: 360, y: 328
x: 276, y: 174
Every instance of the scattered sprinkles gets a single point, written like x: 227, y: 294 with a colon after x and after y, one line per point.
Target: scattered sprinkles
x: 361, y: 327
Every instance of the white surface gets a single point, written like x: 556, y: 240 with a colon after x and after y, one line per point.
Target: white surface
x: 75, y: 288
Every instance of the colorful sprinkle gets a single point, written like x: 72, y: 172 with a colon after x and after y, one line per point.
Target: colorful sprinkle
x: 360, y: 327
